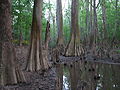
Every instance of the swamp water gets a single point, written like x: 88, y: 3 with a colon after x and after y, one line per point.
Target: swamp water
x: 82, y: 75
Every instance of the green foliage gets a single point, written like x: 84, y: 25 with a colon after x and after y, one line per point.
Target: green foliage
x: 22, y: 20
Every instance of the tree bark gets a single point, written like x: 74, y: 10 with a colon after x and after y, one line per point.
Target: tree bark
x: 104, y: 19
x: 10, y: 72
x: 87, y: 16
x: 74, y: 47
x: 95, y: 30
x: 36, y: 61
x: 59, y: 20
x: 47, y: 35
x: 91, y: 16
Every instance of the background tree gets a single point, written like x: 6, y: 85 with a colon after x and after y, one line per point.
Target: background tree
x: 74, y: 47
x: 59, y: 20
x: 10, y: 72
x: 104, y: 19
x: 36, y: 61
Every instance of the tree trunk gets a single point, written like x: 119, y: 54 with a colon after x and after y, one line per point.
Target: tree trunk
x: 59, y: 20
x: 116, y: 19
x: 91, y: 15
x: 36, y: 61
x: 9, y: 70
x: 87, y: 16
x: 74, y: 47
x: 95, y: 29
x: 47, y: 35
x: 91, y: 25
x: 104, y: 19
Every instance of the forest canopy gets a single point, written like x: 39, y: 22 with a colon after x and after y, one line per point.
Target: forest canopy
x: 22, y: 18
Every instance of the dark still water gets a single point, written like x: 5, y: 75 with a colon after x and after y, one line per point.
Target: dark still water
x: 88, y: 76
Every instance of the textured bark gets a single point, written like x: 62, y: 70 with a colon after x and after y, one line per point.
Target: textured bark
x: 94, y: 32
x: 10, y: 73
x: 59, y: 20
x: 116, y: 15
x: 91, y: 15
x: 87, y: 16
x: 91, y: 25
x: 36, y: 59
x: 74, y: 47
x: 95, y: 26
x: 104, y: 19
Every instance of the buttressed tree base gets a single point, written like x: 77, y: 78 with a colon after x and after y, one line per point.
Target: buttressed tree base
x: 74, y: 47
x: 10, y: 73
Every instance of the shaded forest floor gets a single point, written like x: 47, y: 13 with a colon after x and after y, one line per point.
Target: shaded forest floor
x: 35, y: 80
x: 47, y: 80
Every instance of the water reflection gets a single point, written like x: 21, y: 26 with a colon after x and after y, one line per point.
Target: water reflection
x: 88, y: 76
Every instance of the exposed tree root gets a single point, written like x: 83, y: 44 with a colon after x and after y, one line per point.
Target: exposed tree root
x: 39, y: 63
x: 10, y: 73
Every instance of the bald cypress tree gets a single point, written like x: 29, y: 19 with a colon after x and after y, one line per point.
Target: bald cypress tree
x: 59, y: 20
x: 36, y: 61
x: 10, y: 72
x: 74, y: 47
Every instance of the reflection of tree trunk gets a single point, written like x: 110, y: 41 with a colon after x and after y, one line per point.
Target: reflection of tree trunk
x: 106, y: 77
x: 59, y: 81
x: 92, y: 74
x: 36, y: 60
x: 74, y: 48
x: 10, y: 73
x: 74, y: 75
x: 116, y: 76
x: 73, y: 78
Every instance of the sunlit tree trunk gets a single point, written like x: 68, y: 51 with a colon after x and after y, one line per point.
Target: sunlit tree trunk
x: 74, y: 47
x: 10, y: 72
x: 36, y: 61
